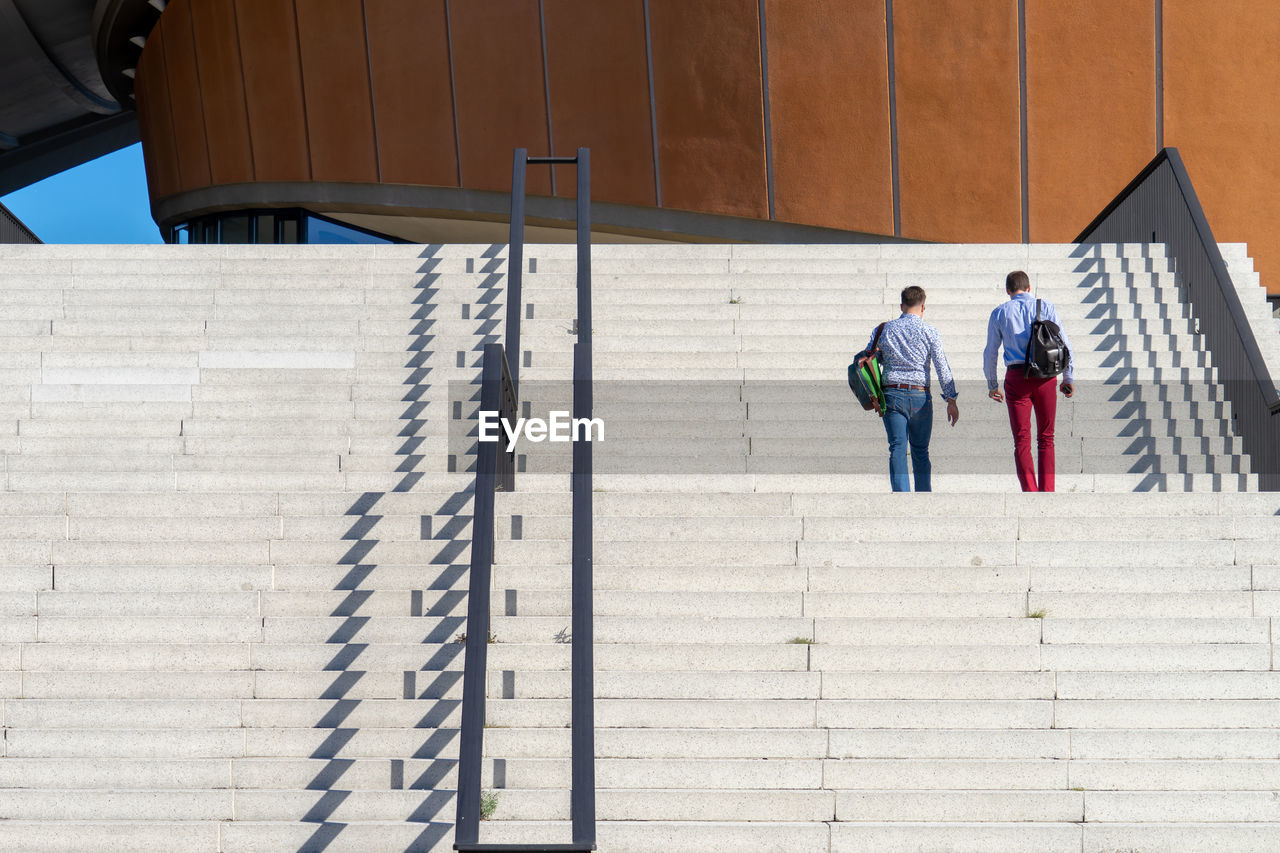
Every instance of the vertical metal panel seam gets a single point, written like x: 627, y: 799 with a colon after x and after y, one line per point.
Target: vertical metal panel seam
x: 764, y: 88
x: 453, y: 90
x: 653, y: 107
x: 546, y: 88
x: 893, y: 121
x: 199, y: 95
x: 373, y: 101
x: 302, y: 77
x: 1022, y: 120
x: 173, y: 128
x: 1159, y: 36
x: 244, y: 89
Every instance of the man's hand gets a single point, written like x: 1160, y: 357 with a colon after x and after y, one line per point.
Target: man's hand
x: 995, y: 394
x: 1068, y: 389
x: 953, y: 412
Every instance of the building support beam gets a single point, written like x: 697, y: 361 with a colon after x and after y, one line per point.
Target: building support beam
x: 40, y: 156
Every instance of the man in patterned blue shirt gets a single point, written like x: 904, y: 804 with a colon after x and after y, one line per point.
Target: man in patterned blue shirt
x: 910, y: 346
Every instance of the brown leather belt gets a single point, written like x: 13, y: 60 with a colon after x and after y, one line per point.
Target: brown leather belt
x: 907, y: 387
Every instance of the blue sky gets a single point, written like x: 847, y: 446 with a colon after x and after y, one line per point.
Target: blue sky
x: 102, y: 201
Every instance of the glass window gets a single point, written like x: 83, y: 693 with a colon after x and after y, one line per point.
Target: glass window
x: 205, y: 231
x: 290, y: 226
x: 321, y: 230
x: 235, y: 229
x: 265, y: 226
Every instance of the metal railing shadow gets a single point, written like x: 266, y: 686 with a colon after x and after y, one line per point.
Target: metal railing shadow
x: 360, y: 581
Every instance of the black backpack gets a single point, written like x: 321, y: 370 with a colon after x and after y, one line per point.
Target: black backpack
x: 1047, y: 353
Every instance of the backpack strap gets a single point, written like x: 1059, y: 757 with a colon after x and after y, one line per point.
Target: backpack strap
x: 875, y: 340
x: 1037, y: 310
x: 876, y: 399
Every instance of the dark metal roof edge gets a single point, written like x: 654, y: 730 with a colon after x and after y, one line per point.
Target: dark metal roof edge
x: 65, y: 146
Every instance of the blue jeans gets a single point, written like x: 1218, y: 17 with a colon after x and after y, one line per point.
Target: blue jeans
x: 908, y: 421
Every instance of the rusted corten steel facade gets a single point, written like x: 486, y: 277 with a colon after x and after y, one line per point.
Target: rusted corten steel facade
x: 940, y: 120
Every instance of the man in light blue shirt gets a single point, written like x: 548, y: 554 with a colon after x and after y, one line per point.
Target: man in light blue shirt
x: 1010, y: 327
x: 910, y: 347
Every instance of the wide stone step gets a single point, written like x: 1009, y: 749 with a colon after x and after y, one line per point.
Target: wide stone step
x: 1087, y: 328
x: 95, y: 630
x: 1010, y: 579
x: 1067, y: 448
x: 52, y: 836
x: 943, y: 482
x: 134, y: 684
x: 958, y: 340
x: 716, y: 368
x: 988, y: 837
x: 682, y: 742
x: 642, y: 837
x: 549, y: 603
x: 661, y: 685
x: 657, y: 265
x: 966, y: 363
x: 339, y: 656
x: 517, y: 804
x: 638, y: 503
x: 863, y: 310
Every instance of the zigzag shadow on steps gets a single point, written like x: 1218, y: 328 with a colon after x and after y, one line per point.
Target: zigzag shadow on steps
x: 440, y: 746
x: 1145, y: 409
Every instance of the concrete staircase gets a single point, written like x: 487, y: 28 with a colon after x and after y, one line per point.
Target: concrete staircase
x: 235, y: 540
x: 1265, y: 325
x: 747, y: 356
x: 227, y: 495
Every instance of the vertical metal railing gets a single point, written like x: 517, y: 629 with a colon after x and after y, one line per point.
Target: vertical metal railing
x: 515, y: 263
x: 500, y: 386
x: 1160, y: 206
x: 583, y: 798
x: 494, y: 469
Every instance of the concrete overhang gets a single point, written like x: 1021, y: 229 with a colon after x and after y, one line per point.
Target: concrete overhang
x: 64, y: 95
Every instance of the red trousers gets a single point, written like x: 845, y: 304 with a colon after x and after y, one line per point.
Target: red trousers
x: 1022, y: 396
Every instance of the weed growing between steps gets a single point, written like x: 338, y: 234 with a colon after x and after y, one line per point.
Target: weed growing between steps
x: 488, y: 804
x: 462, y: 638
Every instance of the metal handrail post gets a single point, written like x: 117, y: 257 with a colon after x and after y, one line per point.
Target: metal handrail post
x: 583, y: 793
x: 471, y: 746
x: 515, y: 263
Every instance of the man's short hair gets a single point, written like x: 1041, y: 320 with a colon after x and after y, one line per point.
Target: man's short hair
x: 1016, y: 282
x: 912, y: 296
